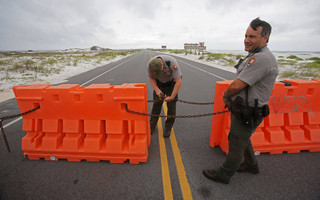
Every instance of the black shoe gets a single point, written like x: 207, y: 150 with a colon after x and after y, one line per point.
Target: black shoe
x: 212, y: 175
x: 152, y: 129
x: 166, y: 133
x: 251, y: 169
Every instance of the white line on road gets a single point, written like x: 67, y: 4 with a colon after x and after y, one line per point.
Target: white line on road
x: 104, y: 73
x: 202, y: 70
x: 12, y: 122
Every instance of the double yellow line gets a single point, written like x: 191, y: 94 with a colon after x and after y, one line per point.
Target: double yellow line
x: 184, y: 184
x: 166, y: 181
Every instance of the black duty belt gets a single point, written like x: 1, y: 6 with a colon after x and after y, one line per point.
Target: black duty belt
x: 166, y: 84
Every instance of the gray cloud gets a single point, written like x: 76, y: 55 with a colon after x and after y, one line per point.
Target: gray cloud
x: 58, y: 24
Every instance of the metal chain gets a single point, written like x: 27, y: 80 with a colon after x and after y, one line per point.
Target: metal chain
x: 196, y: 103
x: 18, y: 115
x: 175, y: 116
x: 130, y: 111
x: 11, y: 117
x: 187, y: 102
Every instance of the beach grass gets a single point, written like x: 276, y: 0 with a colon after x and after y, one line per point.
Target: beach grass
x: 310, y: 69
x: 294, y: 57
x: 42, y: 64
x: 290, y: 67
x: 226, y: 59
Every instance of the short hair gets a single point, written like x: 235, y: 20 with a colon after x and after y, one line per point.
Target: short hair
x: 266, y: 27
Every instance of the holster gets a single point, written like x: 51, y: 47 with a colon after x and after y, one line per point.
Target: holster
x: 246, y: 114
x: 265, y: 111
x: 242, y: 112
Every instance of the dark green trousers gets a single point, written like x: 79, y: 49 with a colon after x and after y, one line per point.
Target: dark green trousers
x: 240, y: 147
x: 157, y: 105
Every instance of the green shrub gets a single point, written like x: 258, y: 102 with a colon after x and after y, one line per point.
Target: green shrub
x: 315, y: 64
x: 314, y: 58
x: 288, y: 74
x: 294, y: 57
x: 312, y: 74
x: 231, y: 62
x: 286, y: 62
x: 52, y: 61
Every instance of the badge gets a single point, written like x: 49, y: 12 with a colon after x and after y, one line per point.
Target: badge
x: 175, y: 67
x: 251, y: 61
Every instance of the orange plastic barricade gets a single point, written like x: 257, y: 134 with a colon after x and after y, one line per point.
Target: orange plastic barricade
x: 292, y: 126
x: 85, y: 123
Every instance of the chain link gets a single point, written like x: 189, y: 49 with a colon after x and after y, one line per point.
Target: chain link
x: 186, y: 102
x: 175, y: 116
x: 196, y: 103
x: 18, y: 115
x: 11, y: 117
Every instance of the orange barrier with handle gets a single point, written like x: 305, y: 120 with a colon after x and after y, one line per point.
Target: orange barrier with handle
x: 292, y: 126
x: 85, y: 123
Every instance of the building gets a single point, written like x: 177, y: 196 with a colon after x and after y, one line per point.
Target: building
x: 195, y: 47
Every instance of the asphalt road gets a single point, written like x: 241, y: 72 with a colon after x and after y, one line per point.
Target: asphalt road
x: 187, y: 153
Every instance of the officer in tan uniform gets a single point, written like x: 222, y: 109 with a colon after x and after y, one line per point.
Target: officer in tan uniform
x: 247, y: 98
x: 165, y: 78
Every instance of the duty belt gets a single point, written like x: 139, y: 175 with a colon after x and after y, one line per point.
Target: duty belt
x: 166, y: 84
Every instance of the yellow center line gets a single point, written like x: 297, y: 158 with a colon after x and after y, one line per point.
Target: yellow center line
x: 184, y: 184
x: 167, y: 189
x: 166, y: 182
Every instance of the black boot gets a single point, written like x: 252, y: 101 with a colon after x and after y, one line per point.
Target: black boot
x: 212, y: 175
x: 250, y: 169
x: 166, y: 133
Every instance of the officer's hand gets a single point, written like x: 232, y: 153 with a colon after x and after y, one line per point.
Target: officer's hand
x: 159, y: 93
x: 225, y: 99
x: 167, y: 99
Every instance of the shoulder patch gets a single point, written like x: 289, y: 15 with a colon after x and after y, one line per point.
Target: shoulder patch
x: 251, y: 61
x: 175, y: 67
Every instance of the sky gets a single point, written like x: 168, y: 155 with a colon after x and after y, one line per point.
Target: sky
x: 136, y: 24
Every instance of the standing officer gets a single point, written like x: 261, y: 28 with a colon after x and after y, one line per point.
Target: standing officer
x: 247, y: 98
x: 165, y: 78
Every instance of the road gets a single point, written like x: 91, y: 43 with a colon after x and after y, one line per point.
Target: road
x: 174, y: 166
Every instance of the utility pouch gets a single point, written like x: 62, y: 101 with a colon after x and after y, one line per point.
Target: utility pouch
x: 265, y: 111
x: 236, y: 107
x: 242, y: 112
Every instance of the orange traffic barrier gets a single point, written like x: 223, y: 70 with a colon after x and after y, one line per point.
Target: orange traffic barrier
x: 85, y: 123
x: 292, y: 126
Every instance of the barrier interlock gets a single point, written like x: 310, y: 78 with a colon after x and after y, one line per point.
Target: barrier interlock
x: 292, y: 126
x: 85, y: 123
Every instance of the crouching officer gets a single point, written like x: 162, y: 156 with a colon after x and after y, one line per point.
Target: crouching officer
x: 247, y: 98
x: 165, y: 78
